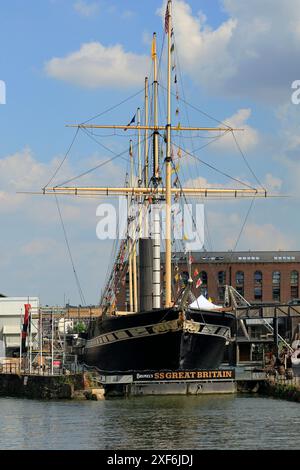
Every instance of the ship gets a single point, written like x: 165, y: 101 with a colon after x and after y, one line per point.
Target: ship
x: 161, y: 328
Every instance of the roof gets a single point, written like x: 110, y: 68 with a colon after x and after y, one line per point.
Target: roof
x: 240, y: 257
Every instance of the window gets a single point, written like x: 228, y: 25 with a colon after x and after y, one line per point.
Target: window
x: 258, y: 281
x: 294, y: 284
x: 185, y: 277
x: 203, y: 277
x: 294, y: 277
x: 221, y: 293
x: 222, y: 278
x: 257, y: 293
x: 276, y: 285
x: 258, y: 277
x: 239, y: 280
x: 276, y: 277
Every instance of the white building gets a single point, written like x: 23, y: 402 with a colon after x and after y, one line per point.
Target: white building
x: 11, y: 321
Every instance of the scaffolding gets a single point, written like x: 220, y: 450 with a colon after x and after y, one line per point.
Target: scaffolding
x: 47, y: 351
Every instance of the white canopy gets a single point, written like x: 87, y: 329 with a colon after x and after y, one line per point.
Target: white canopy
x: 202, y: 302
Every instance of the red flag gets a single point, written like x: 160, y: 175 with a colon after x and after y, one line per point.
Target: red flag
x: 196, y: 272
x: 167, y: 20
x: 191, y: 260
x: 25, y: 325
x: 198, y: 284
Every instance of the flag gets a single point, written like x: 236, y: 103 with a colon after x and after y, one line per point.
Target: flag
x: 176, y: 181
x: 175, y: 170
x: 185, y: 237
x: 196, y: 272
x: 191, y: 260
x: 176, y: 277
x: 198, y: 283
x: 25, y: 325
x: 131, y: 122
x: 167, y: 20
x: 153, y: 49
x: 179, y: 154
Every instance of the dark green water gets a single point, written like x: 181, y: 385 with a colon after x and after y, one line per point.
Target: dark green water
x: 207, y: 422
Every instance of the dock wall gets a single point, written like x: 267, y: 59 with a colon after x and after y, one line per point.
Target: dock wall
x: 40, y: 387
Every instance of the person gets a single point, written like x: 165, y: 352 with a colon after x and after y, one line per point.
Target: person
x: 289, y: 366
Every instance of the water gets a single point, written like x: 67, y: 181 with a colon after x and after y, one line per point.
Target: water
x: 173, y: 422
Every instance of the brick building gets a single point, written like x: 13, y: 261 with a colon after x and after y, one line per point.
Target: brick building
x: 259, y: 276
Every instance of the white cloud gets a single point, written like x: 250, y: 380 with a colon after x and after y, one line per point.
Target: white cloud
x: 86, y: 9
x: 252, y: 53
x: 225, y: 228
x: 247, y: 138
x: 95, y: 65
x: 35, y: 258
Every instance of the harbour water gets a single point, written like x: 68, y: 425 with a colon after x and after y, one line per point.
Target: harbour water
x: 172, y: 422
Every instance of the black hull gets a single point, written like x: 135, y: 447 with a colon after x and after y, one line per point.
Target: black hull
x: 157, y: 340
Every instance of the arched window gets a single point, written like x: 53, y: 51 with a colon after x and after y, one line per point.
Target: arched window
x: 276, y: 278
x: 185, y: 277
x: 203, y: 277
x: 204, y: 286
x: 294, y: 284
x: 239, y: 281
x: 222, y: 278
x: 294, y: 277
x: 221, y: 285
x: 258, y: 277
x: 258, y: 281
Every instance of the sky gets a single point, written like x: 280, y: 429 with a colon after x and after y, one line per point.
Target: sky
x: 65, y: 61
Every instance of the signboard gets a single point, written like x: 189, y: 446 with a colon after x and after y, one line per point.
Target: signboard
x: 184, y: 375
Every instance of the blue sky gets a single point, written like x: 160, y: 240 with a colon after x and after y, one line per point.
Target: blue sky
x: 238, y: 61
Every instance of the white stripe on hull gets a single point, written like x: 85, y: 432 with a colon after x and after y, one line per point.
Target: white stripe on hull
x: 164, y: 327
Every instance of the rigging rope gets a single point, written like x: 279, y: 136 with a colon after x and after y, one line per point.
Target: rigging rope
x: 114, y: 107
x: 63, y: 160
x: 81, y: 295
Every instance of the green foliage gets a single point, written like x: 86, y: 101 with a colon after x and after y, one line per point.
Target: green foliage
x: 80, y: 327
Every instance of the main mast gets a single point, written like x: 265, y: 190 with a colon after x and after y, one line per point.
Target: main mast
x: 168, y: 267
x: 155, y: 180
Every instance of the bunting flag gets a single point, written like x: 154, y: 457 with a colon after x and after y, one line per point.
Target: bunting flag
x: 175, y: 170
x: 179, y: 154
x: 177, y: 111
x: 176, y: 181
x: 172, y: 48
x: 131, y: 122
x: 191, y: 260
x: 177, y: 95
x: 178, y: 127
x: 175, y: 79
x: 196, y: 272
x: 185, y: 237
x: 153, y: 49
x: 167, y: 20
x: 198, y: 283
x: 177, y: 277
